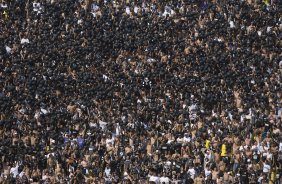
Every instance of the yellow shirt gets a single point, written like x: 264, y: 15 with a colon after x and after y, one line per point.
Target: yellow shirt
x: 273, y: 174
x: 223, y: 150
x: 207, y: 144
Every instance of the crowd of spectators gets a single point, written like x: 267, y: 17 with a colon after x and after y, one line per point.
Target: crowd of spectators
x: 128, y: 91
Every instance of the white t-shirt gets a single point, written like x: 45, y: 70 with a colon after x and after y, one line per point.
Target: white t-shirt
x: 117, y: 133
x: 166, y: 13
x: 269, y: 155
x: 21, y: 174
x: 127, y: 10
x: 94, y: 14
x: 192, y: 172
x: 108, y: 141
x: 154, y: 179
x: 280, y: 146
x: 167, y: 164
x: 4, y: 5
x: 94, y: 7
x: 164, y: 179
x: 241, y: 148
x: 102, y: 124
x: 254, y: 148
x: 208, y: 156
x: 259, y: 179
x: 280, y: 64
x: 23, y: 40
x: 179, y: 140
x: 15, y: 171
x: 266, y: 168
x: 107, y: 171
x: 8, y: 49
x: 232, y: 25
x: 260, y: 149
x: 36, y: 7
x: 186, y: 139
x: 136, y: 9
x: 207, y: 173
x: 45, y: 177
